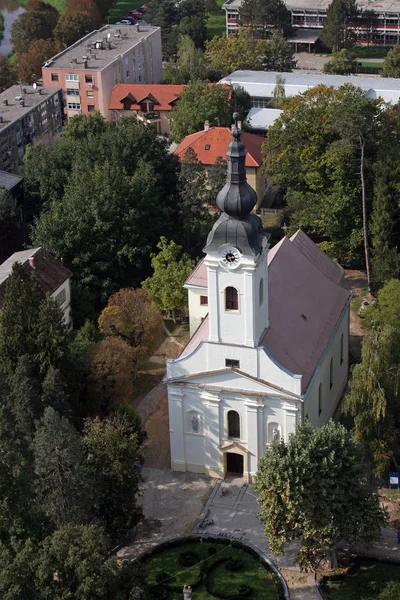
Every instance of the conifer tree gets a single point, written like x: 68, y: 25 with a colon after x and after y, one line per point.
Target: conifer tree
x: 24, y: 397
x: 385, y: 259
x: 337, y: 32
x: 51, y: 335
x: 54, y: 393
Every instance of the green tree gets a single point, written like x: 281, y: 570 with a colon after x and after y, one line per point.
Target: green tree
x: 55, y: 394
x: 340, y: 17
x: 171, y: 268
x: 390, y: 592
x: 368, y: 20
x: 194, y: 212
x: 75, y: 562
x: 19, y: 318
x: 109, y: 186
x: 313, y: 489
x: 279, y: 93
x: 279, y: 54
x: 8, y: 74
x: 385, y: 259
x: 391, y: 64
x: 114, y: 454
x: 216, y: 180
x: 18, y: 563
x: 51, y: 334
x: 36, y: 23
x: 343, y: 62
x: 387, y: 309
x: 24, y: 397
x: 62, y: 478
x: 189, y: 64
x: 373, y: 399
x: 227, y: 54
x: 199, y: 103
x: 265, y: 16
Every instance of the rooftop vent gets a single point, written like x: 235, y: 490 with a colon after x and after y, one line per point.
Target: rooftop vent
x: 18, y: 98
x: 207, y: 147
x: 74, y: 60
x: 84, y: 57
x: 1, y: 118
x: 5, y: 102
x: 22, y: 102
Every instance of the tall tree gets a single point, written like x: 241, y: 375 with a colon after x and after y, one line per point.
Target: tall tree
x: 340, y: 17
x: 227, y: 54
x: 24, y: 397
x: 62, y: 479
x: 279, y: 54
x: 76, y: 562
x: 19, y: 318
x: 265, y: 16
x: 216, y: 180
x: 55, y: 394
x: 189, y: 64
x: 343, y: 62
x: 73, y: 25
x: 114, y: 455
x: 313, y: 489
x: 133, y: 316
x: 391, y: 64
x: 29, y: 65
x: 199, y: 103
x: 36, y: 23
x: 112, y: 370
x: 373, y: 400
x: 171, y: 269
x: 8, y: 74
x: 51, y: 335
x: 385, y: 257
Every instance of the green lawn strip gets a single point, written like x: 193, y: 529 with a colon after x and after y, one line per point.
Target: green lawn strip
x: 216, y: 22
x: 1, y: 26
x: 60, y: 5
x: 121, y: 8
x: 371, y: 51
x: 372, y: 65
x: 365, y: 579
x: 251, y: 574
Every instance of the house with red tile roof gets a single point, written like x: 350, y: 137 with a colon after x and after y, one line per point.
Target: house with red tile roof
x: 269, y: 339
x: 51, y: 275
x: 212, y: 142
x: 151, y: 104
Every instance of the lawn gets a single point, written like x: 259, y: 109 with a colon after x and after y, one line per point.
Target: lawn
x: 216, y: 22
x: 169, y: 570
x: 372, y: 51
x: 371, y: 65
x: 60, y: 5
x: 365, y: 579
x: 121, y: 8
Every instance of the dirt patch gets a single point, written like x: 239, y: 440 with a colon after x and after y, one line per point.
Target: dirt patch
x: 390, y: 499
x: 157, y: 453
x: 301, y: 584
x: 356, y: 281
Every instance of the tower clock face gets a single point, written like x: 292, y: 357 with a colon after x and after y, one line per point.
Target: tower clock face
x: 230, y: 257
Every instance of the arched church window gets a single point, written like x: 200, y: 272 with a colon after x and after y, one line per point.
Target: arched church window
x: 261, y: 292
x: 341, y: 349
x: 233, y: 424
x: 231, y: 299
x: 331, y: 374
x: 320, y: 399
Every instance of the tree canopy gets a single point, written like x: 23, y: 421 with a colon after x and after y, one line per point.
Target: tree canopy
x: 391, y: 64
x: 343, y: 62
x: 337, y: 32
x: 36, y: 23
x: 313, y: 489
x: 265, y: 16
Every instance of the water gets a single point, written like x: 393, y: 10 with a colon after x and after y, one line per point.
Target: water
x: 11, y: 11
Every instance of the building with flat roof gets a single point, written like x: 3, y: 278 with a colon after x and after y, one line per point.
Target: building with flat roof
x: 88, y: 70
x: 26, y: 113
x: 311, y: 14
x: 260, y: 85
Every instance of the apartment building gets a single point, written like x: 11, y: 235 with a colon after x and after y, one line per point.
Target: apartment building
x: 26, y: 114
x: 311, y: 14
x: 88, y: 70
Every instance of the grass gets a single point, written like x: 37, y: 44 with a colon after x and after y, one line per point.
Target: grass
x: 372, y: 51
x: 121, y: 8
x: 364, y: 579
x: 216, y: 22
x: 371, y: 65
x: 1, y: 26
x: 251, y: 573
x: 60, y: 5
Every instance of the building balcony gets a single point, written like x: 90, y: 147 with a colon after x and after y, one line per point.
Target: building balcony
x: 149, y: 117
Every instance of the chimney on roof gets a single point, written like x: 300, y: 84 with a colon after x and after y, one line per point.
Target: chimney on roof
x: 187, y: 592
x: 31, y: 261
x: 137, y: 27
x: 206, y: 125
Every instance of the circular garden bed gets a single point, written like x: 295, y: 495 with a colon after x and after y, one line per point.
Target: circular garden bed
x: 214, y: 568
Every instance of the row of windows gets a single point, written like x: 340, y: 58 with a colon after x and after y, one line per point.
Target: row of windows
x: 77, y: 106
x: 72, y: 77
x: 330, y: 375
x: 194, y: 425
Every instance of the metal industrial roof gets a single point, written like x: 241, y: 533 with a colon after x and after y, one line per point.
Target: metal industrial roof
x: 262, y: 118
x: 261, y: 84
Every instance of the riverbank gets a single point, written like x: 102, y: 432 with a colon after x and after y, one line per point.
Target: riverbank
x: 60, y: 5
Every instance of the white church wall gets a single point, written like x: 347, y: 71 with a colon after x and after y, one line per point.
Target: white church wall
x: 260, y: 308
x: 321, y: 399
x: 197, y: 310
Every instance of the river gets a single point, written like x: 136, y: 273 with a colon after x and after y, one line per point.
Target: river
x: 11, y: 11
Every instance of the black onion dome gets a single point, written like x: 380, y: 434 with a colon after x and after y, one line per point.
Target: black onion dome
x: 237, y: 198
x: 237, y: 225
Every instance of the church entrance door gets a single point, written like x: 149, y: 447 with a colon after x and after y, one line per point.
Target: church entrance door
x: 234, y: 463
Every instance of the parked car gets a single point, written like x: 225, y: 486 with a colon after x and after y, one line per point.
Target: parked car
x: 124, y: 22
x: 132, y: 20
x: 135, y: 14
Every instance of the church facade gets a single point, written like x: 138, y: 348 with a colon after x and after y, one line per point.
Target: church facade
x: 269, y: 339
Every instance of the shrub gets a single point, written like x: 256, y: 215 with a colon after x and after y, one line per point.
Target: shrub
x: 188, y: 558
x: 212, y: 550
x: 162, y: 576
x: 234, y: 564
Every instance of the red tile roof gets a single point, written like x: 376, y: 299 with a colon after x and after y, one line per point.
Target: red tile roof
x: 163, y: 95
x: 218, y: 138
x: 49, y: 272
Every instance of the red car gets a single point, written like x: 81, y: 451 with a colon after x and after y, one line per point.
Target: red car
x: 135, y: 14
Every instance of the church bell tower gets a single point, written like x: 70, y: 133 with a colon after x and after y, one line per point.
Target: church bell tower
x: 236, y: 259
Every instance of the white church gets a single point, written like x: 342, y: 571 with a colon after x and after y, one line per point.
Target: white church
x: 269, y: 339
